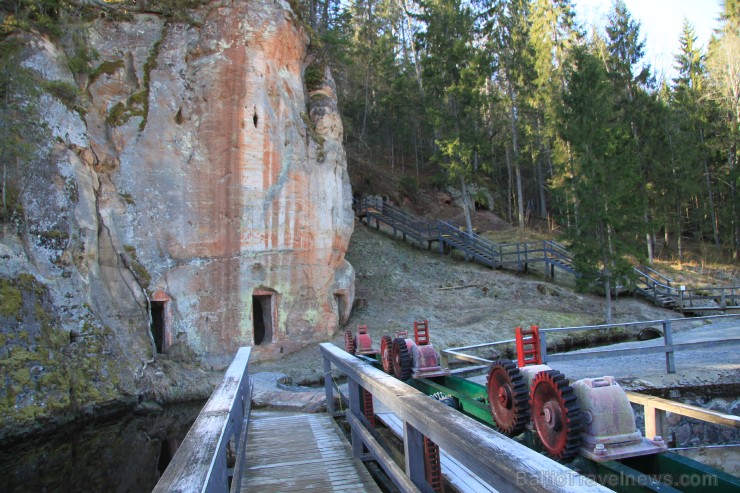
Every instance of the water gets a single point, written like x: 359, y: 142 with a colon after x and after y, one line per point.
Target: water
x: 126, y: 455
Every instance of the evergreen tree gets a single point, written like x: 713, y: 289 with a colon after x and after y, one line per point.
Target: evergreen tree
x: 599, y: 142
x: 689, y: 125
x: 625, y: 51
x: 508, y: 32
x: 452, y: 89
x: 553, y: 33
x: 724, y: 80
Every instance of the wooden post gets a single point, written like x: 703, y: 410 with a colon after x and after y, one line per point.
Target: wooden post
x: 670, y: 362
x: 655, y: 423
x: 328, y: 387
x: 355, y: 407
x: 413, y: 445
x: 543, y: 347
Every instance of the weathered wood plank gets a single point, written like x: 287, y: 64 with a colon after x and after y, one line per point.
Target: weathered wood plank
x: 700, y: 413
x: 193, y: 466
x: 304, y: 453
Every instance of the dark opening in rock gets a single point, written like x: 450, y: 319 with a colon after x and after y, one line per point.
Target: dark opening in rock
x: 649, y: 333
x: 157, y: 327
x: 166, y: 451
x: 255, y: 119
x: 262, y: 319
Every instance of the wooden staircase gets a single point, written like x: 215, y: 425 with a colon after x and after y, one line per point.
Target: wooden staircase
x: 518, y: 256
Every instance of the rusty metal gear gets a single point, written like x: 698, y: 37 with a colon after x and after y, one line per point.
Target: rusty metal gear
x: 386, y: 343
x: 556, y: 415
x: 401, y: 359
x: 508, y: 397
x: 349, y: 341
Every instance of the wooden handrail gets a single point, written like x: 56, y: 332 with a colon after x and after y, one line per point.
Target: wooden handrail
x: 499, y: 461
x: 687, y: 410
x: 200, y: 462
x: 655, y: 409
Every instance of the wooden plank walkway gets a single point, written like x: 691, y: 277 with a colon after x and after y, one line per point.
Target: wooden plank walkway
x: 289, y: 452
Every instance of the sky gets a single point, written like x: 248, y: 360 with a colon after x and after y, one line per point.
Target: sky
x: 660, y: 24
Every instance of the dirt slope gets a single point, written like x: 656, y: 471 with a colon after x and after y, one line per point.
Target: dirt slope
x: 465, y: 303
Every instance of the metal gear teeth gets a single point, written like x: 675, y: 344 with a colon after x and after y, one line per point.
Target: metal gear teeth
x: 569, y: 403
x: 386, y: 345
x: 403, y: 370
x: 520, y: 397
x: 349, y: 342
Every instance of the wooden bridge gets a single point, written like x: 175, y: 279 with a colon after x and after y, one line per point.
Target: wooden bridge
x: 649, y: 283
x: 232, y: 449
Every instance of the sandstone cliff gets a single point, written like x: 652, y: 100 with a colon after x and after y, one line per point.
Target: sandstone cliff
x: 195, y: 201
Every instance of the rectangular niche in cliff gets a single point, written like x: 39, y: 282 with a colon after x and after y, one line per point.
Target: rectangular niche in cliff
x: 262, y: 317
x: 157, y: 327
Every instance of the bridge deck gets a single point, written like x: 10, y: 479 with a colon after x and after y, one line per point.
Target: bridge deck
x: 301, y: 452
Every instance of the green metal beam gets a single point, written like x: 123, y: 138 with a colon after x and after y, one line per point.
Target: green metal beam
x: 686, y: 474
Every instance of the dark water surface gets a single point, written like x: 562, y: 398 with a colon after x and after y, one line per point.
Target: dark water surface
x: 126, y: 455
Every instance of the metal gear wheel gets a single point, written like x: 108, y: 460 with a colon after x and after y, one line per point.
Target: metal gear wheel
x: 556, y: 415
x: 386, y: 343
x: 401, y: 359
x: 508, y: 397
x: 349, y: 342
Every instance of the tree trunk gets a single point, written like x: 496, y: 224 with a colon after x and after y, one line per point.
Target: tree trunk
x: 608, y: 298
x: 466, y: 209
x: 608, y: 255
x: 515, y: 158
x: 544, y: 154
x: 648, y: 239
x: 510, y: 189
x: 734, y: 223
x: 710, y: 194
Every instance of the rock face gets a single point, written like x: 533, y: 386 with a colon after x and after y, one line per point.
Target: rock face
x: 201, y: 201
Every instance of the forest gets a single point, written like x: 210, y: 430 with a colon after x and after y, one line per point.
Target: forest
x: 510, y: 102
x: 560, y: 122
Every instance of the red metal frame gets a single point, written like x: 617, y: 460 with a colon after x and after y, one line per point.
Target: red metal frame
x: 421, y: 332
x: 528, y: 346
x: 432, y: 466
x: 367, y: 406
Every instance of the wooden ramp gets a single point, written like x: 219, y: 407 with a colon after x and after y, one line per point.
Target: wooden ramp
x: 289, y: 452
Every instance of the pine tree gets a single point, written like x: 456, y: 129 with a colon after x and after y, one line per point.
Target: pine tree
x: 553, y: 32
x: 625, y: 51
x: 690, y: 123
x: 507, y: 30
x: 599, y: 141
x: 724, y: 80
x: 452, y: 86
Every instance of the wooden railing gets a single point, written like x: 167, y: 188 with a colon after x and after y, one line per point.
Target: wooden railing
x: 655, y: 413
x: 499, y: 461
x: 201, y: 462
x: 709, y: 299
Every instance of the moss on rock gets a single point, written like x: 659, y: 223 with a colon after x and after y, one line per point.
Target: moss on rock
x: 44, y: 373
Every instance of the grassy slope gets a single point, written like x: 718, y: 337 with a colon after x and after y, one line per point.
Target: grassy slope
x: 465, y: 303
